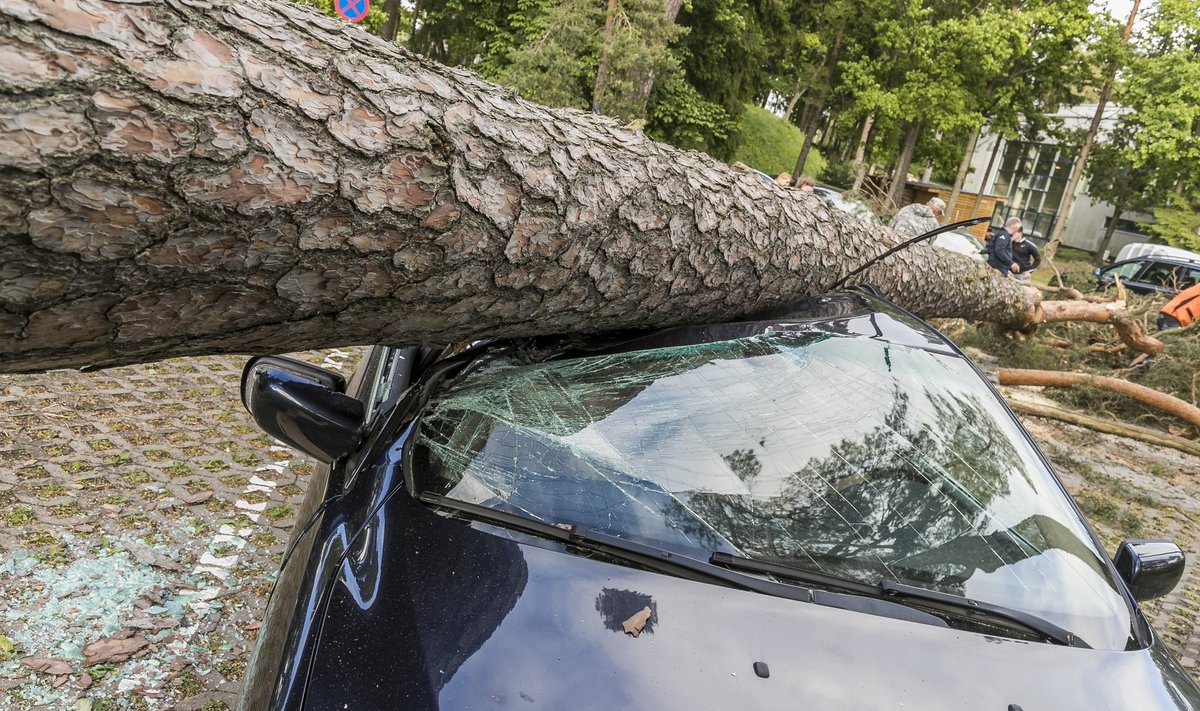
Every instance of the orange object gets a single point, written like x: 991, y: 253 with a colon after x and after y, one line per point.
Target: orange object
x: 1185, y: 307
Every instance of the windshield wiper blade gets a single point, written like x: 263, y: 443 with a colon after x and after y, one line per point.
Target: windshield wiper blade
x: 632, y: 551
x: 676, y: 564
x: 890, y: 588
x: 753, y: 565
x: 985, y: 609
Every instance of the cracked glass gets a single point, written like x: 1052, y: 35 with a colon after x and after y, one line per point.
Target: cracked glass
x: 844, y: 455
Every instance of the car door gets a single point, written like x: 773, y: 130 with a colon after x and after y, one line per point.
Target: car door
x: 1127, y: 271
x: 1161, y: 277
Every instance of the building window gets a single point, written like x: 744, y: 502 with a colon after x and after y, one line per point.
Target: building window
x: 1033, y: 176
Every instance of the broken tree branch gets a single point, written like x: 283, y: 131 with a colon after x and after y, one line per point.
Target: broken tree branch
x: 1114, y: 312
x: 1121, y: 429
x: 1149, y: 396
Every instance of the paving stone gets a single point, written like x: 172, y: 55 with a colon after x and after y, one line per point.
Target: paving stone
x: 150, y: 458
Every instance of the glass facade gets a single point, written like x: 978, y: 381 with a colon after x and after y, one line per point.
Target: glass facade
x: 1033, y: 176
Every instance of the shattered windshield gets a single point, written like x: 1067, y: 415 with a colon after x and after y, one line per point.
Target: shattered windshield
x: 844, y: 455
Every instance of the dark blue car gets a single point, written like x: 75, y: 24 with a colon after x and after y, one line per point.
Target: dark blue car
x: 822, y: 508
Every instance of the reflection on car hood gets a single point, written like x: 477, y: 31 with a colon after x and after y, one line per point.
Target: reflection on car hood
x: 439, y: 614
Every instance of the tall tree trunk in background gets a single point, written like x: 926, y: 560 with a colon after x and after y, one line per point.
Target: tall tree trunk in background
x: 1108, y: 233
x: 671, y: 9
x: 827, y: 132
x: 791, y: 105
x: 927, y: 174
x: 961, y: 176
x: 808, y: 119
x: 272, y: 180
x: 606, y: 43
x: 987, y: 174
x: 900, y: 177
x: 860, y: 153
x: 1064, y: 210
x: 391, y: 8
x: 412, y: 26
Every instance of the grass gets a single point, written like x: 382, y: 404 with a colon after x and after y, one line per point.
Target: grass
x: 278, y: 513
x: 17, y: 516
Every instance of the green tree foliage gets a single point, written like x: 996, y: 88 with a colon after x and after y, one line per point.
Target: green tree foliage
x: 1178, y: 222
x: 559, y: 67
x: 679, y: 115
x: 1161, y: 89
x: 771, y: 144
x: 723, y: 55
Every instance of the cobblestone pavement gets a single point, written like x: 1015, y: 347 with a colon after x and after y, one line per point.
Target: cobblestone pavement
x: 141, y: 508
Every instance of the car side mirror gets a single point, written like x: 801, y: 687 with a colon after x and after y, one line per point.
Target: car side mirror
x: 303, y: 405
x: 1150, y: 568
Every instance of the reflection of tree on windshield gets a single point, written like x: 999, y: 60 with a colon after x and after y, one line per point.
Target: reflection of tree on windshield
x: 744, y: 463
x: 915, y: 482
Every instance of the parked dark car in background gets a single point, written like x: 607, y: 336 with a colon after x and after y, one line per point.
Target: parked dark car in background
x: 1150, y: 274
x: 826, y: 507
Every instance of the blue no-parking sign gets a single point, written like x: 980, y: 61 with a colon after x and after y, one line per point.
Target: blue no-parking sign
x: 351, y: 10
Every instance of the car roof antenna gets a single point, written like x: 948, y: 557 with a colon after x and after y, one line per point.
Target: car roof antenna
x: 902, y: 245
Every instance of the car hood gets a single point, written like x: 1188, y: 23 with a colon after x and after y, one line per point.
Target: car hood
x: 433, y: 613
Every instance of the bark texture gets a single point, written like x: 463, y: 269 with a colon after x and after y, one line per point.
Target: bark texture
x: 180, y: 177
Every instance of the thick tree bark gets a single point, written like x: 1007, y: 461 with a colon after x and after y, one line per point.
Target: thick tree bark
x: 186, y: 177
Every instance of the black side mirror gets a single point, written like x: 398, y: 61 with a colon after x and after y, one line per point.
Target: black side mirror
x: 303, y: 405
x: 1150, y: 568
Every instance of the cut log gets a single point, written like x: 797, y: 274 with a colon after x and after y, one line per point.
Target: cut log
x: 1148, y: 396
x: 1121, y: 429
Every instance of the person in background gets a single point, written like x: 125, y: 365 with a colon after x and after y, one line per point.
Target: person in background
x: 1025, y: 255
x: 999, y: 249
x: 783, y: 179
x: 1181, y: 310
x: 805, y: 183
x: 916, y: 219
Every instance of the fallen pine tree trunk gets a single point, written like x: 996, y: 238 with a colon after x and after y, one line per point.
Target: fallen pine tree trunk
x: 1053, y: 379
x: 182, y: 177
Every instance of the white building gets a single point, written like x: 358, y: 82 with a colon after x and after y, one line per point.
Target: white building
x: 1033, y: 175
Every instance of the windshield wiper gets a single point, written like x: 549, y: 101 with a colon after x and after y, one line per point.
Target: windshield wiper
x: 676, y: 564
x: 891, y: 589
x: 985, y: 609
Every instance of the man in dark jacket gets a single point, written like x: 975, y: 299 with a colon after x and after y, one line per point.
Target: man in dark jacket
x: 1000, y: 248
x: 1025, y: 255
